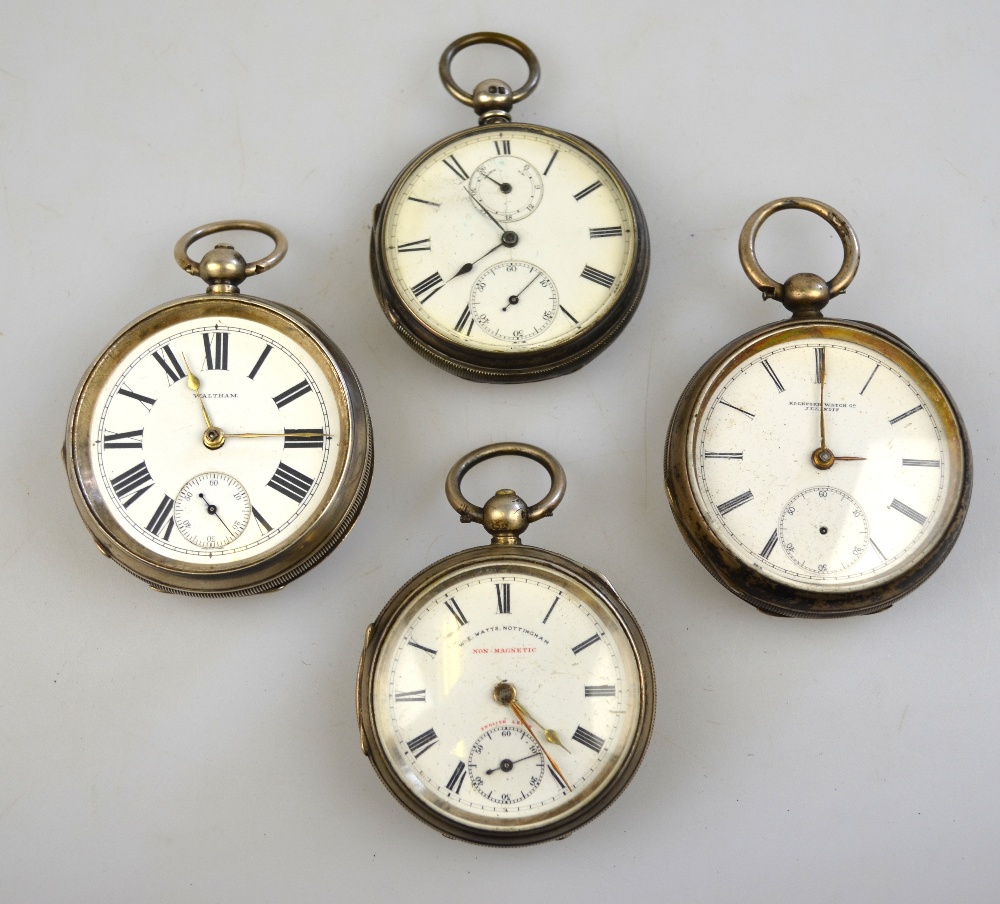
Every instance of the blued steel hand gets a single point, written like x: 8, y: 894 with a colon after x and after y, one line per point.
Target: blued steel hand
x: 506, y: 233
x: 506, y: 765
x: 214, y: 510
x: 514, y: 299
x: 505, y: 187
x: 466, y: 268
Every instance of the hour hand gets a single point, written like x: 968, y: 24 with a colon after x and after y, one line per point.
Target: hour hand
x: 467, y: 268
x: 194, y: 384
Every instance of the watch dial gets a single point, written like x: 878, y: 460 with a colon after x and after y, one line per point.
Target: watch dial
x: 266, y: 384
x: 440, y: 714
x: 889, y: 493
x: 508, y: 240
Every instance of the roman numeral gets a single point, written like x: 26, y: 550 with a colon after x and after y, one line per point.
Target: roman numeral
x: 454, y: 609
x: 145, y: 400
x: 425, y: 285
x: 465, y: 322
x: 422, y: 201
x: 457, y: 777
x: 503, y: 147
x: 772, y: 541
x: 413, y: 643
x: 552, y: 160
x: 907, y: 462
x: 770, y: 372
x: 820, y: 363
x: 456, y: 167
x: 290, y: 395
x: 605, y: 232
x: 599, y: 690
x: 162, y: 516
x: 503, y: 599
x: 133, y: 440
x: 170, y: 367
x: 598, y: 276
x: 589, y: 642
x: 905, y: 414
x: 418, y: 245
x: 863, y: 388
x: 260, y: 360
x: 304, y: 438
x: 412, y: 696
x: 740, y: 410
x: 555, y: 775
x: 291, y: 483
x: 216, y: 350
x: 567, y: 313
x: 547, y: 614
x: 580, y: 195
x: 735, y: 502
x: 732, y: 456
x: 261, y: 521
x: 904, y: 509
x: 588, y: 739
x: 422, y: 743
x: 135, y: 480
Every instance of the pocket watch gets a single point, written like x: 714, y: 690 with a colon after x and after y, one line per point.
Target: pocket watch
x: 220, y: 444
x: 817, y: 467
x: 505, y: 694
x: 508, y: 252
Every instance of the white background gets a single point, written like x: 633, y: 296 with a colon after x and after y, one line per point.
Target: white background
x: 160, y: 748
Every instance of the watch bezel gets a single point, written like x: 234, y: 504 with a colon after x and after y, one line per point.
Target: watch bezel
x: 756, y: 587
x: 510, y: 366
x: 559, y: 569
x: 309, y: 541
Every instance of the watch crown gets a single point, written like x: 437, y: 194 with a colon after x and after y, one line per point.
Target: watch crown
x: 493, y: 100
x: 505, y: 516
x: 805, y: 295
x: 223, y: 268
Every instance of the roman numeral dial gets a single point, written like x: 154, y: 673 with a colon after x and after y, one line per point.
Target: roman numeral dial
x: 505, y: 689
x: 279, y: 414
x: 862, y: 515
x: 514, y: 196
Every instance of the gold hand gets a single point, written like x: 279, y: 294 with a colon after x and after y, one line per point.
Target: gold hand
x: 822, y: 406
x: 296, y: 433
x: 550, y: 734
x: 194, y: 384
x: 521, y: 715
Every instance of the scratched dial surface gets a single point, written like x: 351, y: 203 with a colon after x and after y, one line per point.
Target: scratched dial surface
x: 863, y: 520
x: 471, y: 758
x: 569, y: 215
x: 146, y: 438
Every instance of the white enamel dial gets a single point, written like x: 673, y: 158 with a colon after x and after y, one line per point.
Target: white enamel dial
x: 496, y: 195
x: 852, y: 524
x: 268, y: 392
x: 441, y: 720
